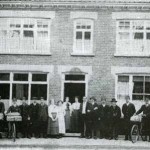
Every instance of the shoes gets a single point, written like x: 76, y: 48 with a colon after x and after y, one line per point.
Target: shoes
x: 110, y: 138
x: 82, y: 136
x: 95, y: 137
x: 116, y: 138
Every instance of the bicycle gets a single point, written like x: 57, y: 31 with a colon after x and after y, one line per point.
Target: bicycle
x: 12, y: 118
x: 137, y: 130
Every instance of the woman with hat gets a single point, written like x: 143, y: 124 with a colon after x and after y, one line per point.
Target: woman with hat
x: 115, y: 114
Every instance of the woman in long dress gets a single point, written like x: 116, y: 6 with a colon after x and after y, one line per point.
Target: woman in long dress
x: 66, y: 106
x: 61, y: 118
x: 75, y: 115
x: 53, y: 127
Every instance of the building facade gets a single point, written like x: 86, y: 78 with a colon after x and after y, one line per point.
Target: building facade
x: 59, y: 48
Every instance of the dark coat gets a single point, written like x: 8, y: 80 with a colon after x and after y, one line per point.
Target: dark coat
x: 115, y: 114
x: 2, y: 107
x: 92, y: 112
x: 43, y: 112
x: 103, y: 113
x: 34, y: 112
x: 128, y: 110
x: 24, y: 112
x: 81, y: 107
x: 14, y: 109
x: 145, y: 110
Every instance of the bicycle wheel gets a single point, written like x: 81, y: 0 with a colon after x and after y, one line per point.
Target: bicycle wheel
x: 14, y: 132
x: 134, y: 133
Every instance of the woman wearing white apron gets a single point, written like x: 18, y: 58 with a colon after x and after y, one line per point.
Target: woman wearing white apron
x: 61, y: 118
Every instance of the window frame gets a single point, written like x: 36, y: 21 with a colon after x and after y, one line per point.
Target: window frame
x: 83, y: 52
x: 131, y: 76
x: 29, y: 83
x: 35, y: 29
x: 143, y: 51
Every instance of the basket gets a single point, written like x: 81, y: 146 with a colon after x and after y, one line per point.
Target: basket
x: 137, y: 118
x: 1, y: 116
x: 14, y: 117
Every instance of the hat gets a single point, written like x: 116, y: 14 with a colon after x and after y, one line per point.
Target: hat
x: 14, y: 99
x: 93, y: 98
x: 113, y: 100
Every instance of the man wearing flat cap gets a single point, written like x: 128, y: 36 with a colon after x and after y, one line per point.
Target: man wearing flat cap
x: 115, y: 114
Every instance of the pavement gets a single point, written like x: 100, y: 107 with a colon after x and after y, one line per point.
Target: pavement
x: 71, y: 143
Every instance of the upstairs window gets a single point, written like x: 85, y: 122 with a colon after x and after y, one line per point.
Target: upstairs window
x: 83, y: 36
x: 24, y: 36
x: 133, y: 37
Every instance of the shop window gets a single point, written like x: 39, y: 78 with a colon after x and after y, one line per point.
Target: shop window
x: 4, y: 91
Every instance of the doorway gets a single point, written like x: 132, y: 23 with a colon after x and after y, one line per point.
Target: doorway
x: 74, y: 89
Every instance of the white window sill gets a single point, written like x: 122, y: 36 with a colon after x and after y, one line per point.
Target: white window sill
x: 131, y: 55
x: 83, y: 54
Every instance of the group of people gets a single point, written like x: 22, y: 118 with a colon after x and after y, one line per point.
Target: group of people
x: 88, y: 118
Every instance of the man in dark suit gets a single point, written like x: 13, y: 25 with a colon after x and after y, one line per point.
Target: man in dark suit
x: 128, y: 110
x: 2, y: 109
x: 115, y: 114
x: 92, y: 118
x: 83, y: 117
x: 34, y: 117
x: 145, y: 117
x: 103, y: 117
x: 25, y: 118
x: 43, y: 117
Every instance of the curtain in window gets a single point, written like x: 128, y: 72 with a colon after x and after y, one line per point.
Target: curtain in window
x: 123, y: 90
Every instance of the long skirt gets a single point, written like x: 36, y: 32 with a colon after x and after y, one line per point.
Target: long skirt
x: 75, y: 121
x: 67, y: 120
x: 52, y: 127
x: 61, y: 123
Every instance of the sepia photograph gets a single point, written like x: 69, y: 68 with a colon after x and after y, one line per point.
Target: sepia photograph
x: 74, y: 74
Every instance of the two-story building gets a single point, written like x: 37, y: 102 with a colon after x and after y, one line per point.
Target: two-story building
x: 59, y: 48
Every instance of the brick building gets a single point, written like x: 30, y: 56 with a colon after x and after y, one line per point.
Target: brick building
x: 58, y: 48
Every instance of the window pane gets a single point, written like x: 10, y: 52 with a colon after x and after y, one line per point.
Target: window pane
x: 20, y: 91
x: 125, y: 25
x: 148, y: 36
x: 38, y: 90
x: 138, y: 35
x: 4, y: 76
x: 42, y: 34
x: 138, y: 79
x: 138, y: 25
x: 123, y: 78
x: 137, y: 97
x: 87, y: 35
x: 78, y: 35
x: 138, y: 87
x: 147, y: 84
x: 20, y: 77
x: 123, y: 87
x: 4, y: 91
x: 28, y: 33
x: 124, y: 36
x: 75, y: 77
x: 39, y: 77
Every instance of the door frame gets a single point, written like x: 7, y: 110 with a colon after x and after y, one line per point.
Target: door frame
x: 63, y: 81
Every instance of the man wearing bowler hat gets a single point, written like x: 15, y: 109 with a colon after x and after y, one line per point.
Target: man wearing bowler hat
x: 115, y: 114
